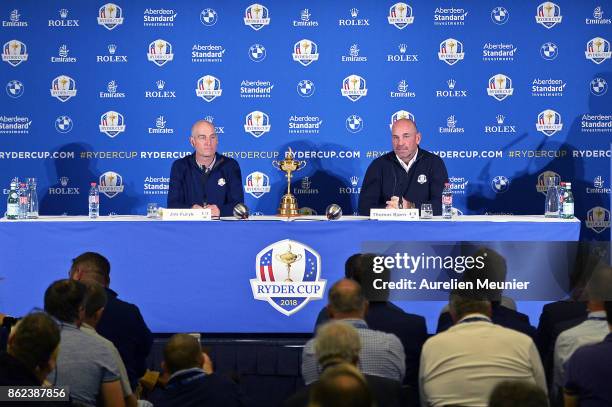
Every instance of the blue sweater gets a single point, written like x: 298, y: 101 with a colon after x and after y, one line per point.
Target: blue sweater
x: 385, y: 177
x: 189, y: 185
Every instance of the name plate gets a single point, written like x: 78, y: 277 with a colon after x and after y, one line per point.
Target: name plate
x: 186, y: 214
x: 394, y: 214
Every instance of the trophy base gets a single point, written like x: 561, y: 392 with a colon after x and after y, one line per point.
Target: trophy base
x: 288, y: 206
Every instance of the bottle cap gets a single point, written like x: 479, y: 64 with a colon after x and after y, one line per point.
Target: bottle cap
x: 93, y: 184
x: 568, y: 184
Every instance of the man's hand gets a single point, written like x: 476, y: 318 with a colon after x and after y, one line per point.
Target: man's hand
x: 196, y: 206
x: 214, y: 210
x: 393, y: 203
x: 207, y: 365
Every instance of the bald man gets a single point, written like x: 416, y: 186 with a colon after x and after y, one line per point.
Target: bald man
x: 205, y: 179
x: 408, y: 174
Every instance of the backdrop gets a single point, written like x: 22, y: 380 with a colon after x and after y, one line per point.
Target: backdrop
x: 502, y: 92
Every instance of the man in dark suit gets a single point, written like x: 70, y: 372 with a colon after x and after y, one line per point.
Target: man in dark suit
x: 336, y: 343
x: 384, y: 316
x: 121, y: 322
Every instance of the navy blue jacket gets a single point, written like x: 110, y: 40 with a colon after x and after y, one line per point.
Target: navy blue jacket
x: 223, y: 184
x: 193, y: 388
x: 123, y: 325
x: 385, y: 177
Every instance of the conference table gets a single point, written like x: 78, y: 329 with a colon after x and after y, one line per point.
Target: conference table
x: 202, y: 276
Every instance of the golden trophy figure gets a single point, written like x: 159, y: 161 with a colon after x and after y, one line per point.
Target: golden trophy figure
x: 288, y: 259
x: 288, y: 205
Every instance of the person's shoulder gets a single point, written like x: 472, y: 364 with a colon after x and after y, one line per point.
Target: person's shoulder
x: 511, y: 335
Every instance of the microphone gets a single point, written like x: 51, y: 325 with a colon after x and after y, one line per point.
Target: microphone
x: 400, y: 204
x: 333, y: 212
x: 241, y: 211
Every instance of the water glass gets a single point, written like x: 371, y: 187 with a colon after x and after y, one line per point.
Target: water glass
x: 152, y: 210
x: 426, y: 211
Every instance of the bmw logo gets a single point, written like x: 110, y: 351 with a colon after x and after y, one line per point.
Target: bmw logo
x: 500, y: 184
x: 599, y: 86
x: 14, y: 88
x: 257, y: 52
x: 208, y: 17
x: 354, y: 123
x: 549, y: 51
x: 499, y: 15
x: 63, y: 124
x: 306, y: 88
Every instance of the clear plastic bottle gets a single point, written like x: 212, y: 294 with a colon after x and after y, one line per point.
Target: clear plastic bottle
x: 568, y: 202
x: 94, y: 201
x: 12, y: 203
x: 551, y: 206
x: 23, y: 200
x: 447, y: 202
x: 32, y: 199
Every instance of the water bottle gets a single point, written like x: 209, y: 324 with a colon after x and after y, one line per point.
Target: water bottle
x: 561, y: 197
x: 94, y: 201
x: 12, y: 203
x: 551, y: 206
x: 32, y: 199
x: 568, y: 202
x: 23, y: 200
x: 447, y: 202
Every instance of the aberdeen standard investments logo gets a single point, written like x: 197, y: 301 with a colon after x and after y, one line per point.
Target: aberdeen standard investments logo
x: 288, y: 276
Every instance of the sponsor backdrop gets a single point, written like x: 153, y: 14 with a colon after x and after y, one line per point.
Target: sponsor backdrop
x: 504, y: 93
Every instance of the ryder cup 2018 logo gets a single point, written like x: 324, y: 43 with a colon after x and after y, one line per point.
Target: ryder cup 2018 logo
x: 209, y: 88
x: 401, y: 114
x: 500, y: 87
x: 598, y: 50
x: 288, y: 276
x: 14, y: 52
x: 305, y: 52
x: 160, y: 52
x: 354, y: 87
x: 63, y: 88
x: 598, y: 219
x: 548, y: 14
x: 451, y: 51
x: 256, y: 16
x: 112, y: 123
x: 549, y: 122
x: 110, y: 16
x: 257, y: 123
x: 257, y: 184
x: 111, y: 184
x: 400, y: 15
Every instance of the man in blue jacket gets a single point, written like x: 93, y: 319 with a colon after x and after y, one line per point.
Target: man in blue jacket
x: 408, y: 173
x: 205, y: 178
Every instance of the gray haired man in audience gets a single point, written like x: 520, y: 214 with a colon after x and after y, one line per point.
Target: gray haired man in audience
x: 381, y: 354
x: 462, y: 365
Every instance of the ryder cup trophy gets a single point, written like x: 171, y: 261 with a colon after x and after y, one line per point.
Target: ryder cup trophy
x: 288, y: 258
x: 288, y: 205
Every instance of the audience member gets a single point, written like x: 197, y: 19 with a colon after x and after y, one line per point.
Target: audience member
x: 384, y: 316
x: 382, y: 354
x: 588, y: 372
x: 495, y: 269
x: 516, y: 393
x: 338, y: 342
x: 121, y: 322
x: 341, y: 386
x: 84, y: 363
x: 191, y: 383
x: 593, y: 330
x: 94, y: 308
x: 462, y: 365
x: 32, y: 351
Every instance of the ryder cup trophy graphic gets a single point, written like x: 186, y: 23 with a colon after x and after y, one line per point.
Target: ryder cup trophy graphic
x: 288, y: 205
x: 288, y: 258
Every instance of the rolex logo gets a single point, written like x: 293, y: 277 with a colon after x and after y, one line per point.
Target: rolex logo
x: 63, y: 13
x: 354, y: 12
x: 64, y: 181
x: 354, y: 181
x: 209, y: 118
x: 160, y: 84
x: 451, y: 84
x: 402, y: 48
x: 112, y: 48
x: 500, y: 118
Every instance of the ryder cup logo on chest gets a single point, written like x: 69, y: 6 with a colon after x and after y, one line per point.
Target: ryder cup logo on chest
x: 112, y: 123
x: 14, y: 52
x: 110, y: 16
x: 305, y: 52
x: 208, y: 88
x: 288, y: 276
x: 160, y: 52
x: 354, y: 87
x: 400, y: 15
x: 63, y: 88
x: 256, y: 16
x: 257, y: 183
